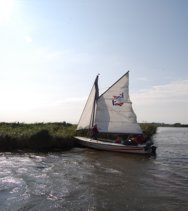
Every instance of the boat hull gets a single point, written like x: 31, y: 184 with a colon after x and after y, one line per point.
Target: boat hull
x: 101, y: 145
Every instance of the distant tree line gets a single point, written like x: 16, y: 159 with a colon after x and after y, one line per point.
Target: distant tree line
x: 167, y: 125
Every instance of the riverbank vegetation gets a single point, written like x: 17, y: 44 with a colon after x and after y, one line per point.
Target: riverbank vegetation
x: 38, y: 136
x: 149, y: 128
x: 46, y: 136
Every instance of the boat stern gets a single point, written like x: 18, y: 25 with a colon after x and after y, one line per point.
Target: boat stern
x: 150, y: 148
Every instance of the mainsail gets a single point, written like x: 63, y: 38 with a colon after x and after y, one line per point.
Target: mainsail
x: 112, y: 111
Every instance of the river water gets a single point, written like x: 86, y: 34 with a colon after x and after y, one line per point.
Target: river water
x: 88, y: 180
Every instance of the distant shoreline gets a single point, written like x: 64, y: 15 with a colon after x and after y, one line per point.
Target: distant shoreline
x: 167, y: 125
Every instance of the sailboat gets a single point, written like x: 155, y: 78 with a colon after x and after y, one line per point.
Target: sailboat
x: 113, y: 115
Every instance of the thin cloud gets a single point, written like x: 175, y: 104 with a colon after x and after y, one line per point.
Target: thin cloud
x: 65, y: 102
x: 173, y: 92
x: 28, y: 39
x: 142, y: 79
x: 75, y: 99
x: 6, y: 7
x: 164, y: 103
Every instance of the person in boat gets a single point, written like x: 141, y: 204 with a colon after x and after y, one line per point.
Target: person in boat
x: 118, y: 140
x: 139, y: 139
x: 130, y: 140
x: 95, y: 132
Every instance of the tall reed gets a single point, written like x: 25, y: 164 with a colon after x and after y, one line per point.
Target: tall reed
x: 39, y: 136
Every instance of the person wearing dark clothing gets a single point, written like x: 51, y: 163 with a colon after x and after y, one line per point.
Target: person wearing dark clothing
x: 118, y: 140
x: 95, y: 132
x: 139, y: 139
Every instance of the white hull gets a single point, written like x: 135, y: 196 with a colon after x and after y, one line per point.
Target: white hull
x: 101, y: 145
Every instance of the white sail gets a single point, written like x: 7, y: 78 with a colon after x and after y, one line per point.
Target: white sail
x: 114, y: 112
x: 87, y: 117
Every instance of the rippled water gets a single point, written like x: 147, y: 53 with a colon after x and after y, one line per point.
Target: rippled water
x: 84, y: 179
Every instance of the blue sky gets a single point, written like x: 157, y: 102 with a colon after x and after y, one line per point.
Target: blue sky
x: 51, y: 51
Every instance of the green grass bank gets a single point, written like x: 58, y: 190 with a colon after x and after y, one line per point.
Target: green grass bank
x: 36, y: 137
x: 45, y: 136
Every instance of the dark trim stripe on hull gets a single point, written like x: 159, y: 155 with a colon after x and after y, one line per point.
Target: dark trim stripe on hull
x: 130, y: 149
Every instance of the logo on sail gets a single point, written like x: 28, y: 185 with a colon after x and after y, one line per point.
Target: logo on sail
x: 118, y: 100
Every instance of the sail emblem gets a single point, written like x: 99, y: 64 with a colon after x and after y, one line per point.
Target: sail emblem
x: 118, y: 100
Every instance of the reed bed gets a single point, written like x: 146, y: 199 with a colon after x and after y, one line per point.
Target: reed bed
x: 38, y: 136
x: 149, y: 128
